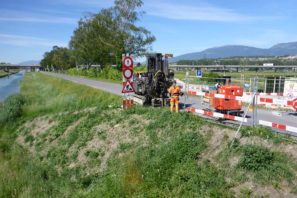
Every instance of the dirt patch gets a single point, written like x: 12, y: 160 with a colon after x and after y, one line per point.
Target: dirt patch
x: 290, y: 149
x: 39, y: 125
x: 86, y: 110
x: 254, y: 190
x: 218, y: 140
x: 256, y: 141
x: 233, y: 161
x: 32, y: 129
x: 109, y: 140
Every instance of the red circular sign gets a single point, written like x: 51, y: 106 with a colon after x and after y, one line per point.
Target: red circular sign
x: 128, y: 73
x: 128, y: 62
x: 295, y: 104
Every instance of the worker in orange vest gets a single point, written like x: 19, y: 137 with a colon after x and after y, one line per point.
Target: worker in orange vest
x: 174, y: 92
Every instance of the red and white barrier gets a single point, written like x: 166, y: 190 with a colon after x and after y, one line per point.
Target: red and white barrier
x: 216, y: 115
x: 221, y: 96
x: 278, y: 126
x: 265, y: 94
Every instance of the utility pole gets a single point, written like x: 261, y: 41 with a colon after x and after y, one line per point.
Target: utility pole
x: 255, y: 101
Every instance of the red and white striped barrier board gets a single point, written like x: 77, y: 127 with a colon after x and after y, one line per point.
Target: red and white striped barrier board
x: 265, y: 94
x: 278, y: 126
x: 290, y: 103
x: 221, y: 96
x: 216, y: 115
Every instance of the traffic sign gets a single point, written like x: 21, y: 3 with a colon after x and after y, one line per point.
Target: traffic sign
x: 199, y: 73
x: 127, y: 73
x: 128, y: 87
x: 128, y: 62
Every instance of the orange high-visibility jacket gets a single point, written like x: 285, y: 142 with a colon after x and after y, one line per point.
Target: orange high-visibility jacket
x: 174, y: 91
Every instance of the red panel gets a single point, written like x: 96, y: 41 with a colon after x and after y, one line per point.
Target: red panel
x: 269, y: 100
x: 229, y: 117
x: 281, y: 127
x: 208, y: 113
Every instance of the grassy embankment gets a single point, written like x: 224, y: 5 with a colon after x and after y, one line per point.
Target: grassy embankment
x: 72, y: 140
x: 3, y: 73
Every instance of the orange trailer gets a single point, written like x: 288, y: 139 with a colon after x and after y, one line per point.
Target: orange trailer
x: 228, y: 106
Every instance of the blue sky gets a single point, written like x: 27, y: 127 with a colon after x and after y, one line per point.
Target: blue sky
x: 28, y: 28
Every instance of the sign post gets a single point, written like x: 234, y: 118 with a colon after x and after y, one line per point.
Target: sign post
x: 127, y: 69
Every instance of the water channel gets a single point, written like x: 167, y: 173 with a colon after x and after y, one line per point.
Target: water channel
x: 10, y: 85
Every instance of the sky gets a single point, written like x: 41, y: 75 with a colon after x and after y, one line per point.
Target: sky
x: 29, y: 28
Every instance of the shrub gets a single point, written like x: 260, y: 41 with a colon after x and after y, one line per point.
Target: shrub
x: 108, y: 72
x: 256, y: 158
x: 11, y: 109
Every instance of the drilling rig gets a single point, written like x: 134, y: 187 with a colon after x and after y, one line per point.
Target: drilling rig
x: 151, y: 86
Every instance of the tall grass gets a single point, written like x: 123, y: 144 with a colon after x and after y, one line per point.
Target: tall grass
x: 45, y: 94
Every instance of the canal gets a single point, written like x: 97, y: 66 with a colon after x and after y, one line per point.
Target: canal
x: 10, y: 85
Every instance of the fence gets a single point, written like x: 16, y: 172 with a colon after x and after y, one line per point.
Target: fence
x: 251, y: 97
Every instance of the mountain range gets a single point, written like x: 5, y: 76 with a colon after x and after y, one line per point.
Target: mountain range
x: 282, y: 49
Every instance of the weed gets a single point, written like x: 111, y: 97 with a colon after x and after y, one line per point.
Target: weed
x: 255, y: 158
x: 92, y: 154
x: 29, y: 138
x: 11, y: 109
x: 268, y: 166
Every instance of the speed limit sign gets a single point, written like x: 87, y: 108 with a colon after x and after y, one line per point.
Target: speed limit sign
x: 128, y: 73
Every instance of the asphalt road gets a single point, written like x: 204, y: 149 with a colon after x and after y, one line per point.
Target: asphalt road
x: 286, y: 118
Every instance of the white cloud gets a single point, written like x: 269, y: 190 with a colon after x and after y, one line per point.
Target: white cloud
x: 28, y: 41
x: 11, y: 15
x: 204, y: 12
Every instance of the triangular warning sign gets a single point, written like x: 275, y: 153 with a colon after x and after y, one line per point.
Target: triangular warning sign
x: 128, y: 87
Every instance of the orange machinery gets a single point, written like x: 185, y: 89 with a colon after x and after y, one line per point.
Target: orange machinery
x: 228, y: 106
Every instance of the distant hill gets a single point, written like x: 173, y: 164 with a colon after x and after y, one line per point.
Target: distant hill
x: 30, y: 62
x: 282, y: 49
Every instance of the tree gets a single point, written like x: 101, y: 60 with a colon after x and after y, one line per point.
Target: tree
x: 102, y: 38
x: 59, y: 57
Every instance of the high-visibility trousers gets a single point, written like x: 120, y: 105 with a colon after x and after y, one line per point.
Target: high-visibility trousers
x: 174, y: 101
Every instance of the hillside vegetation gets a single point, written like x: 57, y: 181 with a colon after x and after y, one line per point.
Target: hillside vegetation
x: 68, y: 140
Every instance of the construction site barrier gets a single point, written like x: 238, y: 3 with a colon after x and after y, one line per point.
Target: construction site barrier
x: 260, y: 100
x: 127, y: 103
x: 278, y: 126
x: 216, y: 115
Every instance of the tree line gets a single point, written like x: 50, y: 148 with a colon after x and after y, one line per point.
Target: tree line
x: 240, y: 61
x: 103, y: 37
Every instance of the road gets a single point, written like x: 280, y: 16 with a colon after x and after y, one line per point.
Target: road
x: 286, y: 118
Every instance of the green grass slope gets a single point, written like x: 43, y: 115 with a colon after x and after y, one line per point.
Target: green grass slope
x: 75, y: 141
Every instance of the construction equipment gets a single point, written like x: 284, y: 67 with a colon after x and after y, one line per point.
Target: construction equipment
x: 151, y: 86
